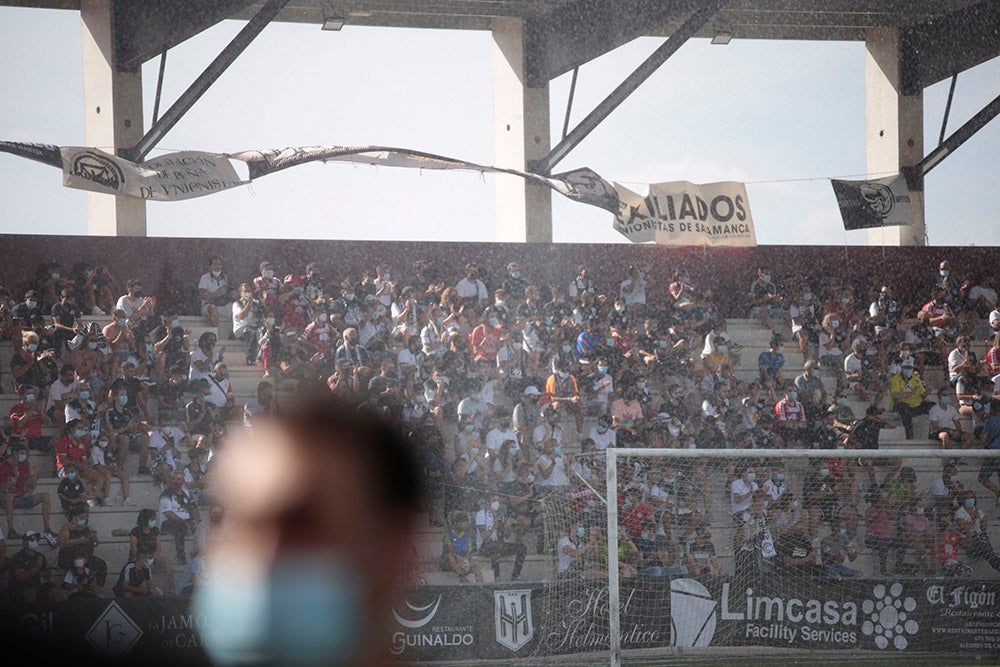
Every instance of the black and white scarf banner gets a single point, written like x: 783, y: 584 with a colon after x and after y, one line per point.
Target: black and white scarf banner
x: 882, y: 202
x: 189, y: 174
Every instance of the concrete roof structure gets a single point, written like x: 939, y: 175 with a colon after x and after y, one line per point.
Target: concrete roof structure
x: 910, y: 45
x: 940, y: 37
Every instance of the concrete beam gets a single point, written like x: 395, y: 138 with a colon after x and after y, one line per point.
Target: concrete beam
x: 143, y: 29
x: 894, y: 129
x: 936, y: 49
x: 521, y: 133
x: 112, y: 102
x: 577, y: 32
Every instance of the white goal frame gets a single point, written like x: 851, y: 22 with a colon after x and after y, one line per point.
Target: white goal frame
x: 611, y: 489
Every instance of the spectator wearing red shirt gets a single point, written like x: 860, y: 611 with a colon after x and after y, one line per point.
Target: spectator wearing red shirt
x: 73, y: 447
x: 880, y: 532
x: 266, y: 286
x: 790, y: 417
x: 635, y: 513
x: 940, y: 317
x: 485, y: 339
x: 28, y: 419
x: 17, y: 483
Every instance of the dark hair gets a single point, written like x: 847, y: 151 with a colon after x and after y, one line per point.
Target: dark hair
x: 395, y: 477
x: 144, y: 516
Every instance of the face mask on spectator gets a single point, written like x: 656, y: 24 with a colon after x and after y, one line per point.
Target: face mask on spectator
x: 123, y: 400
x: 32, y: 347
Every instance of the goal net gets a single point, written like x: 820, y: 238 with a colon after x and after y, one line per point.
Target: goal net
x: 663, y: 555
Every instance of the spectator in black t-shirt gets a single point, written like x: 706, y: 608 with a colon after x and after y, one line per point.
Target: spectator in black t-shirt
x: 864, y: 435
x: 25, y: 574
x: 796, y: 555
x: 701, y: 558
x: 65, y: 320
x: 655, y: 550
x: 200, y: 415
x: 171, y: 395
x: 24, y: 312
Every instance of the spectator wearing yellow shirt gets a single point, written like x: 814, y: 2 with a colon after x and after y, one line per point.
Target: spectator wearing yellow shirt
x: 906, y: 396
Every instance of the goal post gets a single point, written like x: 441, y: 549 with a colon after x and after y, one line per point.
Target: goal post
x: 888, y: 618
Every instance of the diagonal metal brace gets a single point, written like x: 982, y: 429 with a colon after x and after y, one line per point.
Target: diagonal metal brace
x: 697, y: 20
x: 204, y: 81
x: 915, y: 174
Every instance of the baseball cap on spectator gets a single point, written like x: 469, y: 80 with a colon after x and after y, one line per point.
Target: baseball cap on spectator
x: 532, y: 390
x: 265, y: 265
x: 132, y: 282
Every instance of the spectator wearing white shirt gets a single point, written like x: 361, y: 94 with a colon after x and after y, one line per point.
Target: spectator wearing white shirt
x: 602, y: 386
x: 62, y: 390
x: 470, y: 288
x: 633, y: 288
x: 602, y: 434
x: 500, y: 434
x: 552, y: 465
x: 943, y: 418
x: 221, y: 394
x: 260, y: 406
x: 135, y: 304
x: 213, y: 290
x: 741, y: 494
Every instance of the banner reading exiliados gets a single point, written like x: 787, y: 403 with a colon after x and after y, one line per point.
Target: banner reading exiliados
x: 683, y: 213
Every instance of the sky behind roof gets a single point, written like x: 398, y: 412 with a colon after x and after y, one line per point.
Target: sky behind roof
x: 781, y: 116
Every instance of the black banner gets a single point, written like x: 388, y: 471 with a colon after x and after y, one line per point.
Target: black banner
x: 516, y: 622
x: 878, y: 203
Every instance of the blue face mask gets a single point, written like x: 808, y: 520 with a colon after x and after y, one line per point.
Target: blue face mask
x: 602, y: 369
x: 515, y: 274
x: 557, y: 451
x: 28, y: 398
x: 71, y: 476
x: 92, y: 345
x: 308, y: 610
x: 824, y: 472
x: 469, y: 427
x: 123, y: 400
x: 151, y: 523
x: 751, y: 477
x: 79, y: 433
x: 85, y: 395
x: 81, y: 522
x: 581, y: 532
x: 970, y: 502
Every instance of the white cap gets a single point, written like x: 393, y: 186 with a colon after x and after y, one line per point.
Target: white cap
x: 532, y: 391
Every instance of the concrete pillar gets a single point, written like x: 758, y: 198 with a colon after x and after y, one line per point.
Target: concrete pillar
x: 894, y: 128
x: 521, y: 133
x: 112, y: 104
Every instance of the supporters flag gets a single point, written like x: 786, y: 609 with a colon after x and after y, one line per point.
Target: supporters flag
x: 189, y: 174
x: 683, y: 213
x: 884, y: 202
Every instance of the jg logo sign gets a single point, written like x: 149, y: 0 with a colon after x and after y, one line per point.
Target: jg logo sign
x: 114, y: 633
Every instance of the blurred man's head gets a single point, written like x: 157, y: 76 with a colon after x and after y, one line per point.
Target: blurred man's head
x: 320, y: 503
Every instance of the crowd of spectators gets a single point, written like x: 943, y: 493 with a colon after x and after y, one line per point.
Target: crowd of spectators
x: 511, y: 389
